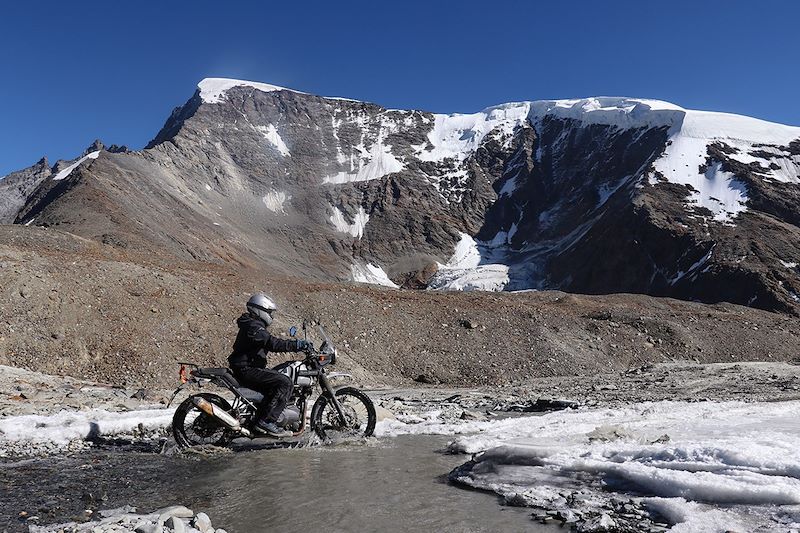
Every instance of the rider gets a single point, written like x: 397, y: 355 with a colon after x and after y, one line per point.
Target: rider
x: 249, y: 360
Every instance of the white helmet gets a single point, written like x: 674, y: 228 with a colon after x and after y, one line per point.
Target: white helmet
x: 261, y: 306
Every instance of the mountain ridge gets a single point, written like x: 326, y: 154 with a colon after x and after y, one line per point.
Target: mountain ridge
x: 550, y: 192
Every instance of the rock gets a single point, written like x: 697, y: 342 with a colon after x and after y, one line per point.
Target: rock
x: 472, y: 415
x: 148, y: 527
x: 606, y: 521
x: 220, y: 531
x: 175, y: 524
x: 202, y: 523
x: 469, y: 324
x: 140, y: 394
x: 424, y: 378
x: 542, y: 405
x: 178, y: 511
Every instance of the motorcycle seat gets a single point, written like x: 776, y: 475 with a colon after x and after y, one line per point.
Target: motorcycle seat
x: 250, y: 394
x: 219, y: 375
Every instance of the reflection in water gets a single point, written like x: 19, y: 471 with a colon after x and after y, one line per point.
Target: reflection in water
x: 393, y: 485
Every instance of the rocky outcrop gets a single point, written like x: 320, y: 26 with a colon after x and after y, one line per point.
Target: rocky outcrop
x: 17, y: 187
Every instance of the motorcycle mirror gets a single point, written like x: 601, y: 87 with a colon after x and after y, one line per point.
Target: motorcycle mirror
x: 293, y: 331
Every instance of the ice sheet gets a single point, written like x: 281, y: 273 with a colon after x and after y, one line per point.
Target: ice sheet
x: 690, y: 457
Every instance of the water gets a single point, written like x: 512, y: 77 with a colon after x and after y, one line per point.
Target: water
x: 393, y: 485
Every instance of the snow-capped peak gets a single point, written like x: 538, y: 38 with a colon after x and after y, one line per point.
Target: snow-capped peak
x: 212, y: 90
x: 613, y: 111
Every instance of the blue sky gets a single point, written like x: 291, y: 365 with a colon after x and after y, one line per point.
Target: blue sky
x: 74, y: 71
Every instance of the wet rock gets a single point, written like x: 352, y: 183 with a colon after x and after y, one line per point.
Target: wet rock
x: 472, y: 415
x: 175, y: 524
x: 140, y: 394
x: 542, y: 405
x: 148, y: 527
x: 177, y: 511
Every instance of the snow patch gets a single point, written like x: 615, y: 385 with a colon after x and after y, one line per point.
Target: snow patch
x: 275, y: 201
x: 68, y: 170
x: 270, y: 133
x: 212, y: 90
x: 67, y: 426
x: 377, y: 163
x: 692, y: 269
x: 717, y: 190
x: 356, y: 228
x: 371, y: 274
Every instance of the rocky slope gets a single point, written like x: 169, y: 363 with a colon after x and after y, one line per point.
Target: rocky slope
x: 79, y: 307
x: 120, y: 263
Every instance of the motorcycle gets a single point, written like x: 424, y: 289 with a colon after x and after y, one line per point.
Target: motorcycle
x: 209, y: 419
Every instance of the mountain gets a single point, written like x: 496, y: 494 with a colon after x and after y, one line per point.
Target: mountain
x: 120, y: 262
x: 597, y: 195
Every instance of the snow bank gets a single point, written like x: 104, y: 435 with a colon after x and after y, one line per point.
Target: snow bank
x: 371, y: 274
x: 271, y: 134
x: 212, y: 90
x: 68, y: 170
x: 463, y: 272
x: 673, y: 453
x: 356, y: 228
x: 67, y: 426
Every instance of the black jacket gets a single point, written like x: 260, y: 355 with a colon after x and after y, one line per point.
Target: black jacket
x: 253, y: 342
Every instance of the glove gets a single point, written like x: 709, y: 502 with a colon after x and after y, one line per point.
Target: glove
x: 304, y: 346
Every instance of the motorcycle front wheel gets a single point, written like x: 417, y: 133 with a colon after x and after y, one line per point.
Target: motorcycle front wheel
x: 359, y: 415
x: 193, y: 427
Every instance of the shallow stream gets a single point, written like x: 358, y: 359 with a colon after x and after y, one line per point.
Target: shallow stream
x: 398, y: 484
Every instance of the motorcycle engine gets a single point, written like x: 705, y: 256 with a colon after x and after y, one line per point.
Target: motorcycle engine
x: 290, y: 418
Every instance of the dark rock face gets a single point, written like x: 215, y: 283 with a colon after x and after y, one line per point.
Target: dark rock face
x: 17, y: 187
x: 321, y: 188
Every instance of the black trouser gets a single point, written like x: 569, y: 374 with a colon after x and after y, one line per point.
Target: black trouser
x: 276, y: 388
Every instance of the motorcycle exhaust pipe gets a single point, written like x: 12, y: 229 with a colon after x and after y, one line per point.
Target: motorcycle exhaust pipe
x: 216, y: 412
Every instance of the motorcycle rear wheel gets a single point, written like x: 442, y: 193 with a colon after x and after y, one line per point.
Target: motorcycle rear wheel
x: 193, y: 427
x: 359, y: 413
